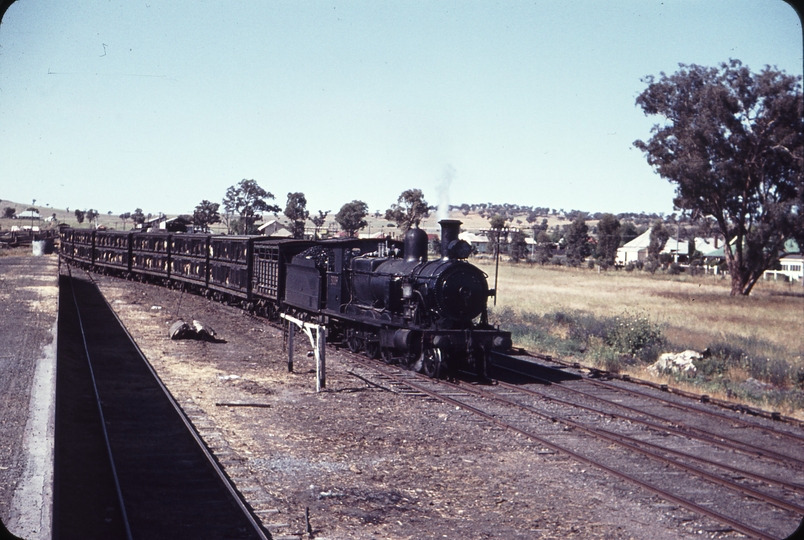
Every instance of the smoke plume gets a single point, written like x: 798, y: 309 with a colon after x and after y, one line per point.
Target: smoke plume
x: 442, y: 190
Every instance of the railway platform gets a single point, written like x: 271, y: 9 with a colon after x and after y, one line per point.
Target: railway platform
x: 28, y: 318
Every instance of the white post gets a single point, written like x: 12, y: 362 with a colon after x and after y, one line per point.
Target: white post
x: 291, y: 333
x: 320, y: 358
x: 319, y: 344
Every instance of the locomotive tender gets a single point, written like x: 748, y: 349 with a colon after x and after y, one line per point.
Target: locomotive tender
x: 380, y: 297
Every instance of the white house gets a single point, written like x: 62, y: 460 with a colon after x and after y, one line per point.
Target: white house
x: 478, y: 241
x: 635, y: 250
x: 29, y: 214
x: 274, y: 229
x: 791, y: 264
x: 675, y: 248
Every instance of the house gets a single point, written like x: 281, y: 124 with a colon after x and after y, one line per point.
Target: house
x: 274, y: 229
x: 28, y: 214
x: 676, y: 248
x: 707, y: 245
x: 479, y: 242
x: 633, y: 251
x: 791, y: 264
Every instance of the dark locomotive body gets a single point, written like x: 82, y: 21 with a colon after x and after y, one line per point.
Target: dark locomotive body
x: 381, y: 297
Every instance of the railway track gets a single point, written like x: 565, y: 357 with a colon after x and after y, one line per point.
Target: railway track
x: 128, y: 463
x: 748, y: 489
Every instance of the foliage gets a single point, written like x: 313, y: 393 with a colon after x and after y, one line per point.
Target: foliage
x: 543, y: 250
x: 497, y: 239
x: 733, y: 143
x: 577, y: 239
x: 351, y: 217
x: 658, y: 238
x: 92, y: 216
x: 246, y: 199
x: 296, y: 211
x: 206, y: 214
x: 318, y: 221
x: 635, y: 336
x: 125, y: 216
x: 608, y: 239
x: 519, y: 248
x: 628, y: 232
x: 605, y: 340
x: 79, y: 215
x: 137, y: 216
x: 9, y: 213
x: 409, y: 211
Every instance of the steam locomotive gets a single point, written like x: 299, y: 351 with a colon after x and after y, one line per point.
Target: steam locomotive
x: 380, y: 297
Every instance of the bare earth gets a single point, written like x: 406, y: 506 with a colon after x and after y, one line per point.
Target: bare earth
x: 369, y: 463
x: 28, y: 309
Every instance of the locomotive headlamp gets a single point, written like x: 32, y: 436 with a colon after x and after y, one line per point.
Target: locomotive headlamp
x: 407, y: 290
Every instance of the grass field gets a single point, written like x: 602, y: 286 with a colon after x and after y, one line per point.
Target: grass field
x: 757, y: 341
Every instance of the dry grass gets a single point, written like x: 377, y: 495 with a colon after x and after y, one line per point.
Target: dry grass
x: 694, y: 312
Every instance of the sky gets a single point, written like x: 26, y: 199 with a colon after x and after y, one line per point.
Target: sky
x: 117, y: 105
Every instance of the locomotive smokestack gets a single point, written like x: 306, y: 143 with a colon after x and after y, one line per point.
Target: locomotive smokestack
x: 450, y: 229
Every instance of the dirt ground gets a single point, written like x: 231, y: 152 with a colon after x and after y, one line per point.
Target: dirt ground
x: 366, y: 462
x: 28, y: 310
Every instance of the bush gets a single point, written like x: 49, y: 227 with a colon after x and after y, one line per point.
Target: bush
x: 726, y: 356
x: 652, y: 265
x: 607, y: 341
x: 635, y: 336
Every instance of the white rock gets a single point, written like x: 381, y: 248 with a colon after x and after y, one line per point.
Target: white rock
x: 676, y: 363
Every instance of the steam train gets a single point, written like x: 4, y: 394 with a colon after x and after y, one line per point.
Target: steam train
x: 380, y: 297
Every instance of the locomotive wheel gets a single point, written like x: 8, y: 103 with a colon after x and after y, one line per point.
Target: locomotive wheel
x: 431, y: 362
x: 387, y: 356
x: 353, y: 342
x: 373, y: 349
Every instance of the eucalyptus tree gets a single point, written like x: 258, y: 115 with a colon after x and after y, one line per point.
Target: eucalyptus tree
x: 732, y: 141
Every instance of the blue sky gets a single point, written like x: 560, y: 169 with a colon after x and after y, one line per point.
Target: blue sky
x: 115, y: 105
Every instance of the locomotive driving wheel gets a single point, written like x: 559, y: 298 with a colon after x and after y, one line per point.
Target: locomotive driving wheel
x: 373, y: 349
x: 431, y: 362
x: 353, y: 342
x: 387, y: 356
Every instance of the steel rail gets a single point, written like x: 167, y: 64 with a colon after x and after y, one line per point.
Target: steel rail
x: 690, y: 395
x: 683, y: 407
x: 633, y: 444
x: 688, y: 431
x: 238, y: 499
x: 690, y: 505
x: 120, y: 499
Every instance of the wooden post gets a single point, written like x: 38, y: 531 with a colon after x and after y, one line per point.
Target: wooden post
x: 320, y: 358
x: 291, y: 333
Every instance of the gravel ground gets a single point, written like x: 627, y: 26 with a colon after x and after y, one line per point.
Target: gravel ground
x: 368, y: 463
x: 28, y: 310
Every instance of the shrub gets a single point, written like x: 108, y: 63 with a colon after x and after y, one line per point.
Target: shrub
x: 635, y: 336
x: 726, y: 356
